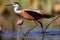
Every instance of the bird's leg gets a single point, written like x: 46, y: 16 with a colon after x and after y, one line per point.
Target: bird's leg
x: 32, y: 27
x: 40, y: 24
x: 42, y: 29
x: 50, y: 23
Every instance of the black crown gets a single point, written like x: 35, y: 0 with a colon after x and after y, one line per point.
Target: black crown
x: 16, y: 3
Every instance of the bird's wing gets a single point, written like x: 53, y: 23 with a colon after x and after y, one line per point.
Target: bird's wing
x: 37, y: 10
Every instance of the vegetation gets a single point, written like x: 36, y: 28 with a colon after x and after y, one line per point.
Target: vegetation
x: 7, y: 16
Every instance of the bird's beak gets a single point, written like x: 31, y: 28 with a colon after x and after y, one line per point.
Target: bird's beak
x: 8, y: 5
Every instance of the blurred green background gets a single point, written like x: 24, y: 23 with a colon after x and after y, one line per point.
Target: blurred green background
x: 9, y: 19
x: 7, y: 16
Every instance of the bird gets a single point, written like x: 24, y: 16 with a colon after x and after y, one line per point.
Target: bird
x: 30, y: 14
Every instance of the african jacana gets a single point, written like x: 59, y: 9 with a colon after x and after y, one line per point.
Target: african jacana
x: 30, y: 14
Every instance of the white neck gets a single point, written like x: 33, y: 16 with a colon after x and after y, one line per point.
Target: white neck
x: 16, y: 9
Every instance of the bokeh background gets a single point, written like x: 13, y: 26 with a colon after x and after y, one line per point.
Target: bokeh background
x: 9, y: 19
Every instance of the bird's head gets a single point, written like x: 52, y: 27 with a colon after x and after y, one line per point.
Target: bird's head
x: 14, y: 4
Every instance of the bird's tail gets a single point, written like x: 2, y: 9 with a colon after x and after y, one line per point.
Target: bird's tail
x: 48, y: 16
